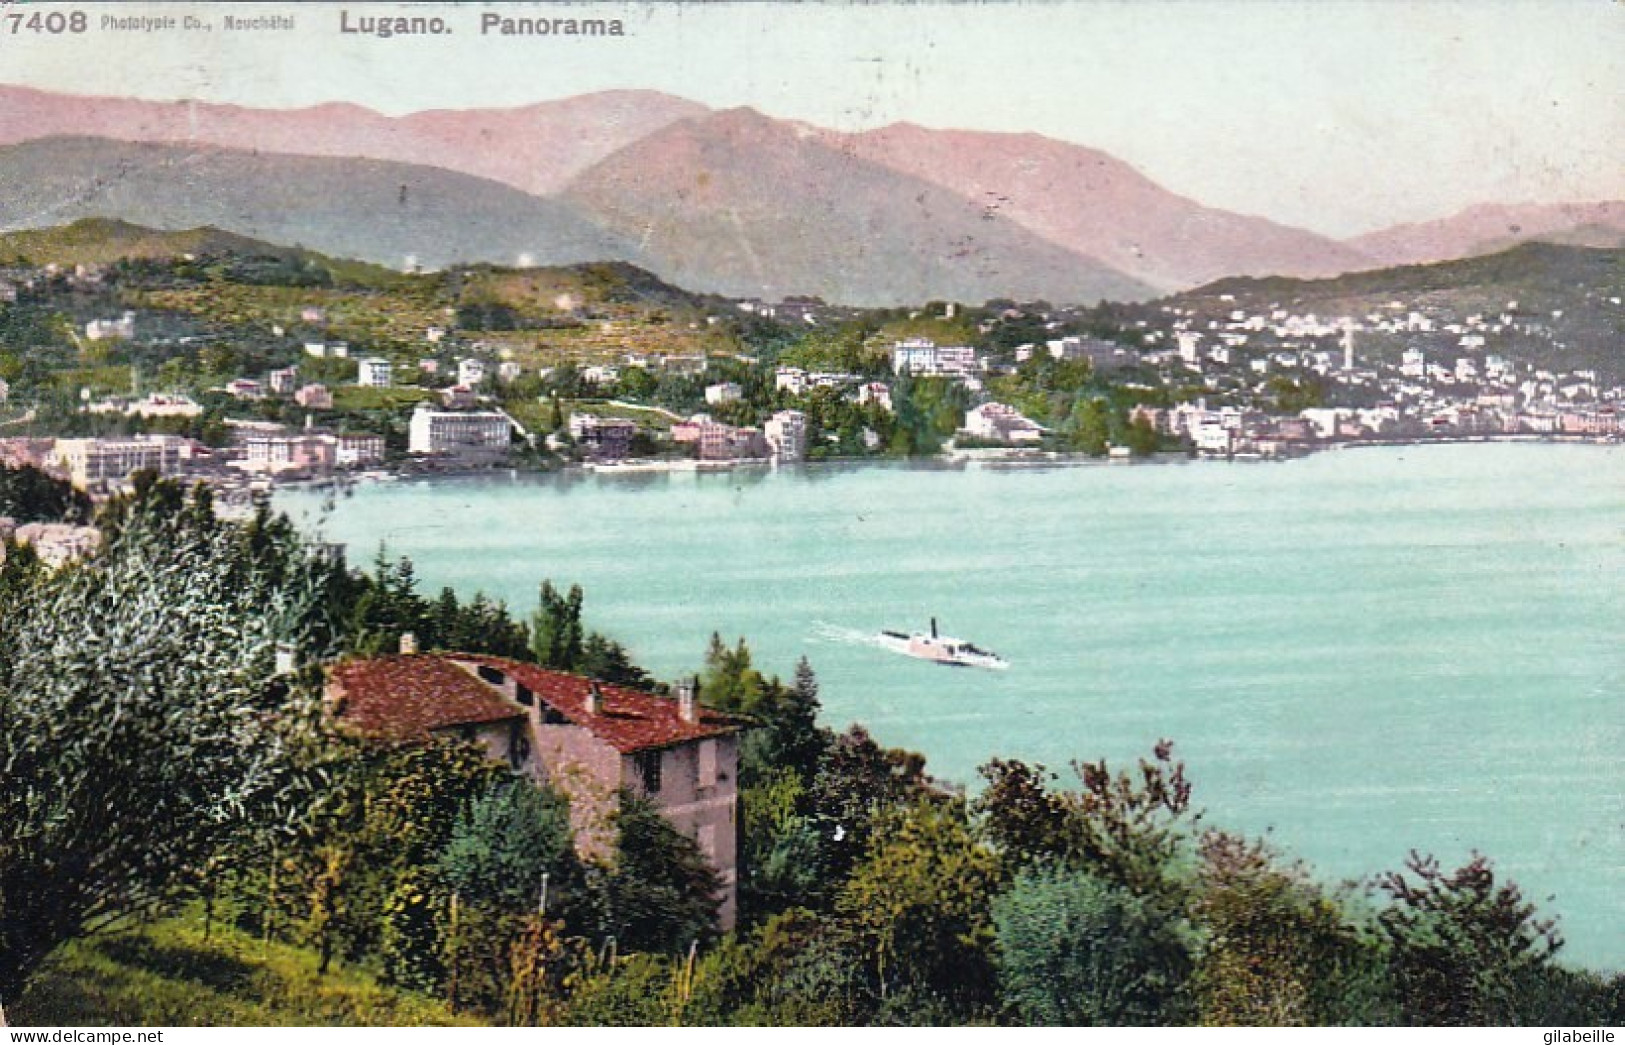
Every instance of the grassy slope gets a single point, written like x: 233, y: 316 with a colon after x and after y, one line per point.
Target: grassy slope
x: 168, y: 975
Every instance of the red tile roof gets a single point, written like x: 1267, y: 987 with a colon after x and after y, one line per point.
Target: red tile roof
x: 628, y: 719
x: 407, y: 697
x: 401, y: 697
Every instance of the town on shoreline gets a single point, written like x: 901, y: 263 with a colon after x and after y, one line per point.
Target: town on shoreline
x: 256, y: 366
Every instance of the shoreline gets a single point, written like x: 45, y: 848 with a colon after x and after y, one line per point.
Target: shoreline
x: 986, y: 457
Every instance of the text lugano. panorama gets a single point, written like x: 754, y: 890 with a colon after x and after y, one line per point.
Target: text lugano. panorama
x: 491, y: 24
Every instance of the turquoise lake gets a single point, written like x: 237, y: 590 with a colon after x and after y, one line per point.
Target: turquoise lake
x: 1357, y: 653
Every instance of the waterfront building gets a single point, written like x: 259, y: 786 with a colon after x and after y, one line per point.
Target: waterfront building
x: 286, y: 455
x: 786, y: 434
x: 603, y: 438
x: 999, y: 422
x: 101, y: 461
x: 357, y: 450
x: 466, y: 434
x: 589, y: 740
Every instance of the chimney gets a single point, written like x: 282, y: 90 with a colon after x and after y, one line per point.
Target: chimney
x: 688, y: 708
x: 409, y: 643
x: 595, y: 698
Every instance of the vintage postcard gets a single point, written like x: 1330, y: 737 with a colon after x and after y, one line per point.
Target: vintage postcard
x: 812, y: 514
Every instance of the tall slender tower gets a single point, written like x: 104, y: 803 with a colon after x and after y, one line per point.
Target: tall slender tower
x: 1348, y: 348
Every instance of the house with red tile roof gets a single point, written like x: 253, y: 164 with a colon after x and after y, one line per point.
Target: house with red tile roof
x: 587, y: 739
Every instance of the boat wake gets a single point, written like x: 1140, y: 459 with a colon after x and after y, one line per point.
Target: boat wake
x: 838, y: 635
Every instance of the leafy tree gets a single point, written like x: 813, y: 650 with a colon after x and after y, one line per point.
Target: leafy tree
x: 505, y: 842
x: 141, y: 725
x: 29, y: 495
x: 918, y: 904
x: 411, y: 943
x: 640, y: 990
x: 1075, y: 950
x: 1278, y: 951
x: 1092, y: 426
x: 730, y: 682
x: 1141, y: 437
x: 556, y: 634
x: 1131, y: 831
x: 1026, y: 821
x: 659, y: 894
x: 857, y: 780
x: 1128, y: 828
x: 1461, y: 943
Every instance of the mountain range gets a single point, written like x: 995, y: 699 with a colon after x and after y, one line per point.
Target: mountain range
x: 727, y: 201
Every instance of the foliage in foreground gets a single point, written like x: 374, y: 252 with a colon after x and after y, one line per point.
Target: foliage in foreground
x: 343, y: 882
x: 171, y: 974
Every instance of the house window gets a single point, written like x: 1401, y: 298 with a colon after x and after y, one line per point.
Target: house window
x: 649, y: 770
x: 708, y: 763
x: 518, y: 745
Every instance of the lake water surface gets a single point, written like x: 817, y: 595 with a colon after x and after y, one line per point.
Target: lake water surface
x: 1358, y: 653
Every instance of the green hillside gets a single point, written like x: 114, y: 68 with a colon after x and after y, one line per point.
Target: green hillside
x: 1541, y: 268
x: 170, y: 974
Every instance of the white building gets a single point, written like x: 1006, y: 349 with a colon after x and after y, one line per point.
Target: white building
x: 327, y: 349
x: 1001, y: 423
x: 158, y: 404
x: 1190, y: 347
x: 926, y: 358
x: 375, y: 373
x: 358, y: 450
x: 1414, y: 363
x: 875, y: 392
x: 470, y: 372
x: 790, y: 379
x: 462, y: 434
x: 103, y: 329
x: 112, y: 460
x: 786, y: 433
x: 726, y: 392
x: 283, y: 382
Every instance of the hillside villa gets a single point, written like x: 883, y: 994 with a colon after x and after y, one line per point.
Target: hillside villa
x: 589, y: 740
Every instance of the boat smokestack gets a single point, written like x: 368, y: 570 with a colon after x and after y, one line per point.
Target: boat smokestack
x: 933, y: 627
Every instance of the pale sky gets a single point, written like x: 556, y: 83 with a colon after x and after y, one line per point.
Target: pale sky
x: 1335, y: 116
